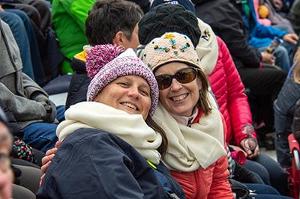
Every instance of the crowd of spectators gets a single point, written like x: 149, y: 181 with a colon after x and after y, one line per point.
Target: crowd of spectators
x: 165, y: 98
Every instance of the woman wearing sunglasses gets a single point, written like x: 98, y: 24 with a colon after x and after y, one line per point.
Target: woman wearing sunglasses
x: 108, y: 150
x: 190, y: 118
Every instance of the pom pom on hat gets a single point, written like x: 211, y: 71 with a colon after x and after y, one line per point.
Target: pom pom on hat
x: 100, y: 55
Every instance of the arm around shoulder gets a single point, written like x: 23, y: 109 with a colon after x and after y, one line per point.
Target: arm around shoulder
x: 92, y: 164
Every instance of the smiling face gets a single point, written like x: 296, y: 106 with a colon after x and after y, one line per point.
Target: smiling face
x: 128, y: 93
x: 178, y: 99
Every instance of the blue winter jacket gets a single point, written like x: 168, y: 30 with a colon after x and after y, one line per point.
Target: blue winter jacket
x: 259, y: 35
x: 95, y: 164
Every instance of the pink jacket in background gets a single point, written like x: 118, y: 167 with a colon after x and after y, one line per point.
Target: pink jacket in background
x: 230, y: 95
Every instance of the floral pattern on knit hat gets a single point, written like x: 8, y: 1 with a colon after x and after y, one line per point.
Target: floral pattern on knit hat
x: 170, y: 47
x: 110, y: 65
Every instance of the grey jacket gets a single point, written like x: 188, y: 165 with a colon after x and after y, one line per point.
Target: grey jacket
x: 294, y: 16
x: 17, y: 91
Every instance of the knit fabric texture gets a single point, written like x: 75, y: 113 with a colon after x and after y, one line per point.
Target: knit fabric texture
x: 185, y: 3
x: 170, y: 47
x: 105, y: 65
x: 168, y: 18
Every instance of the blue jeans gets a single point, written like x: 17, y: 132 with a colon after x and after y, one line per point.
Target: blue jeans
x: 268, y: 196
x: 38, y: 70
x: 270, y: 171
x: 41, y: 135
x: 283, y: 115
x: 282, y: 58
x: 264, y: 191
x: 261, y: 188
x: 19, y: 32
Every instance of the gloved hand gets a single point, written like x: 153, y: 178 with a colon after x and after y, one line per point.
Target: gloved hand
x: 50, y: 111
x: 49, y: 107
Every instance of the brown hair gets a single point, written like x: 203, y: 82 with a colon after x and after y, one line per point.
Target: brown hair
x: 107, y: 17
x: 203, y: 102
x: 296, y: 71
x: 164, y: 145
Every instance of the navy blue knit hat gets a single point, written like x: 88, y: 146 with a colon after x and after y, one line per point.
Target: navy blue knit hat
x: 168, y: 18
x: 185, y: 3
x: 144, y: 4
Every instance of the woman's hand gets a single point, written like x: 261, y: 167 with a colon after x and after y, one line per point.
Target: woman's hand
x: 46, y: 161
x: 291, y: 38
x: 250, y: 146
x: 267, y: 58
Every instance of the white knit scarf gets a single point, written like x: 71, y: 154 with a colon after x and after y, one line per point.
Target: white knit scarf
x: 192, y: 147
x: 130, y: 127
x: 207, y: 48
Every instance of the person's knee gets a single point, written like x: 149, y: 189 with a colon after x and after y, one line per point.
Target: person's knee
x: 258, y: 169
x: 282, y: 58
x: 13, y: 20
x: 41, y: 136
x: 281, y: 51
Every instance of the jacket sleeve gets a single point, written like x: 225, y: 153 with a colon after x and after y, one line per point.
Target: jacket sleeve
x: 268, y: 31
x: 30, y: 87
x: 220, y: 187
x: 296, y: 122
x: 238, y: 105
x: 264, y: 35
x: 78, y: 10
x: 21, y: 108
x: 94, y: 168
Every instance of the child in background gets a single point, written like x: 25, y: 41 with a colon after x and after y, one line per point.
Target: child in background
x: 296, y: 120
x: 284, y: 108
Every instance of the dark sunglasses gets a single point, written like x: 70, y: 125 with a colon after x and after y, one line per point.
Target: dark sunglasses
x: 183, y: 76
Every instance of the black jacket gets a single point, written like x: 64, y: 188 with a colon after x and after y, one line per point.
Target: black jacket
x: 226, y: 21
x: 78, y: 85
x: 95, y: 164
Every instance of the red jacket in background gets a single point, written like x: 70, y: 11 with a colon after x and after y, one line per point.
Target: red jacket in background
x: 230, y: 94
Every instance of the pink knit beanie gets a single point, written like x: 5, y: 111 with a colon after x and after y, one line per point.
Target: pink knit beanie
x: 105, y: 63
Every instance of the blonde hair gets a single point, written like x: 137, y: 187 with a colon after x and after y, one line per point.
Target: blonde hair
x: 296, y: 72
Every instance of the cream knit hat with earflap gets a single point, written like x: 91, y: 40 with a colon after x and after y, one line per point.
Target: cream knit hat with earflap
x: 171, y: 47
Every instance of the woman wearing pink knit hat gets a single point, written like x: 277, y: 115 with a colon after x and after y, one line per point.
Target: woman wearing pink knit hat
x: 111, y: 148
